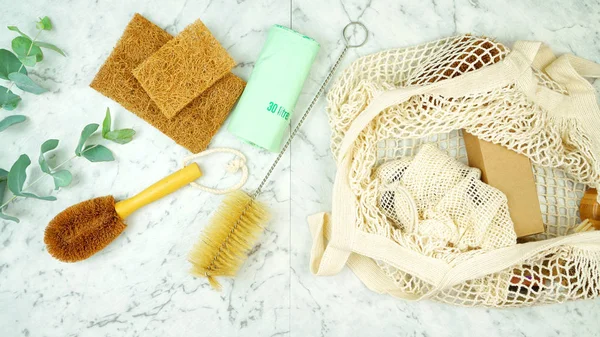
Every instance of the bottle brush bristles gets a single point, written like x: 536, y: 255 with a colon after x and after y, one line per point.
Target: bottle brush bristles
x: 231, y: 233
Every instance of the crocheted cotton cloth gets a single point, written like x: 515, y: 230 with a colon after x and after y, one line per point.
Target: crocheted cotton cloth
x: 432, y: 195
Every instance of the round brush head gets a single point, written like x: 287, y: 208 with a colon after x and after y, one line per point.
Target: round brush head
x: 84, y: 229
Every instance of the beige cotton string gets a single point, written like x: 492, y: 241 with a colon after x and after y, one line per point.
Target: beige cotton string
x: 384, y: 259
x: 238, y: 163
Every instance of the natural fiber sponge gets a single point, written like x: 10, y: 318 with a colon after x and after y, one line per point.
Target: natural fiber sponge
x: 183, y: 68
x: 195, y: 125
x: 140, y: 39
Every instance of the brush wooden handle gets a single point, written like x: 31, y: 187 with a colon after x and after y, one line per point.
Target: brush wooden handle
x: 163, y: 187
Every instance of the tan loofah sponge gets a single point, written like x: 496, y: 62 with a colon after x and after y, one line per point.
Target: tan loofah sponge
x: 195, y: 125
x: 183, y: 68
x: 140, y: 39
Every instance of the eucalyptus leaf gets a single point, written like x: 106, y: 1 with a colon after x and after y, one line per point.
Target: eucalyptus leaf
x: 17, y: 174
x: 15, y: 29
x: 43, y: 164
x: 25, y: 83
x: 28, y: 61
x: 11, y: 120
x: 48, y: 145
x: 31, y: 195
x: 8, y: 100
x: 106, y: 123
x: 97, y: 153
x: 3, y: 174
x: 62, y: 178
x: 122, y: 136
x: 49, y: 46
x: 8, y: 217
x: 3, y: 180
x: 44, y: 24
x: 87, y: 131
x: 9, y: 63
x: 24, y: 48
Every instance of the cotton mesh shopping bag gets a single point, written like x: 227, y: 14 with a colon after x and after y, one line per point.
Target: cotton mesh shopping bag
x: 412, y: 220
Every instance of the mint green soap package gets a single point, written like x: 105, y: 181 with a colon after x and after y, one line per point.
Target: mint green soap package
x: 264, y: 111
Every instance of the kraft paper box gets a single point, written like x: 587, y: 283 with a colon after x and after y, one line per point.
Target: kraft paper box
x: 512, y: 174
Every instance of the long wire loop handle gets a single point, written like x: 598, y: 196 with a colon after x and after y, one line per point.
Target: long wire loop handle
x: 314, y: 100
x: 357, y: 27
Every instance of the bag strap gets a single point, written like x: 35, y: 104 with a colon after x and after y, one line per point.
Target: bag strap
x: 369, y: 248
x: 441, y: 276
x: 572, y: 71
x: 503, y: 258
x: 581, y: 103
x: 324, y: 259
x: 364, y: 267
x: 493, y: 76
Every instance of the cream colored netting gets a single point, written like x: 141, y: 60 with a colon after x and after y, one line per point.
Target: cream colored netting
x: 435, y: 197
x: 559, y: 195
x: 559, y: 198
x: 563, y: 158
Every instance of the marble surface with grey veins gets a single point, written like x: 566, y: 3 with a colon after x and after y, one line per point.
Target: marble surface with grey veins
x: 140, y: 285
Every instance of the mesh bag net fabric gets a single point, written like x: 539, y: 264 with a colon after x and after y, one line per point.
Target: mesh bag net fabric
x: 436, y: 197
x: 390, y: 158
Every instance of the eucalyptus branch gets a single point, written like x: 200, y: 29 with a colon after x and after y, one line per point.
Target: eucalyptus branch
x: 26, y: 52
x: 16, y: 177
x: 14, y: 197
x: 10, y: 85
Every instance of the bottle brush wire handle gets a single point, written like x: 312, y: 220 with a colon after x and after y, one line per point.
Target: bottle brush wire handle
x: 347, y: 46
x: 236, y: 225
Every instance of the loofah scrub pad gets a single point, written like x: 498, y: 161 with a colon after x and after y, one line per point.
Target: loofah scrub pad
x: 195, y: 125
x: 183, y: 68
x: 140, y: 39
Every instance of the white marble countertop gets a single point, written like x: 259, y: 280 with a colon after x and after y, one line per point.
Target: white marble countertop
x: 139, y: 285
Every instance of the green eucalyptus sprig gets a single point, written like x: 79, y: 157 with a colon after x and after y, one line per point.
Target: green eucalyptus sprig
x: 16, y: 177
x: 27, y: 52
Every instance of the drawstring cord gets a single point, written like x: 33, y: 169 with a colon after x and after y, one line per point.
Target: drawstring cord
x: 235, y: 165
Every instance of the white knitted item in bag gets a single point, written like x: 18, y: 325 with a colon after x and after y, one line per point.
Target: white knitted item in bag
x: 454, y: 209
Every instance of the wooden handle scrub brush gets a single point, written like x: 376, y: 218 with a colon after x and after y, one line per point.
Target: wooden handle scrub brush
x: 240, y: 219
x: 84, y: 229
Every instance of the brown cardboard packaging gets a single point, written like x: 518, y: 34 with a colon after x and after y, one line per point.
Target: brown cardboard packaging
x: 512, y: 174
x: 589, y: 209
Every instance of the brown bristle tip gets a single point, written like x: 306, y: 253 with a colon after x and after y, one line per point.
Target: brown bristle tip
x: 232, y: 231
x: 83, y: 229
